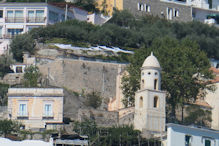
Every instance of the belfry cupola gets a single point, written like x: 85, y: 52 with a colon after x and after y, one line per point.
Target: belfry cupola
x: 150, y: 74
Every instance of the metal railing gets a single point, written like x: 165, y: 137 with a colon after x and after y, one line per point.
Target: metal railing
x: 14, y: 19
x: 25, y: 19
x: 35, y: 19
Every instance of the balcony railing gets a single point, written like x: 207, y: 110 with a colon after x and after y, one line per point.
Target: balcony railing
x: 48, y: 116
x: 36, y: 19
x: 22, y: 116
x: 14, y: 19
x: 25, y: 19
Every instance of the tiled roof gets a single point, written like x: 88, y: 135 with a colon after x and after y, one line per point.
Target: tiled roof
x: 202, y: 103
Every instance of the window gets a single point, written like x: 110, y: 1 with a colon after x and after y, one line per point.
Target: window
x: 13, y: 32
x: 39, y: 13
x: 9, y: 13
x: 187, y: 140
x: 207, y: 142
x: 31, y: 14
x: 48, y: 110
x: 1, y: 13
x: 140, y: 7
x: 142, y: 84
x: 22, y: 109
x: 176, y: 13
x: 169, y: 13
x: 156, y: 102
x: 147, y: 8
x: 141, y: 102
x: 149, y: 73
x: 18, y: 14
x: 155, y: 84
x: 155, y: 73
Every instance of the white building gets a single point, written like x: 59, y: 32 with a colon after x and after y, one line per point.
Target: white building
x: 18, y: 18
x: 150, y: 101
x: 179, y: 135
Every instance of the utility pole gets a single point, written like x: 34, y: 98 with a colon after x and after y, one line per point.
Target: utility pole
x: 66, y: 11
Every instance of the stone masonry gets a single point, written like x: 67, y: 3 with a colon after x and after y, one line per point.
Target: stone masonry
x: 83, y: 76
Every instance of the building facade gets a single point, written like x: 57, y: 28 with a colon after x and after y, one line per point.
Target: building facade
x: 36, y: 107
x: 176, y: 10
x: 179, y: 135
x: 150, y: 101
x: 18, y: 18
x: 212, y: 98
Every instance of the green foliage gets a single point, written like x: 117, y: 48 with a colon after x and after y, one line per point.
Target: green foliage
x: 31, y: 76
x: 35, y: 1
x: 3, y: 94
x: 118, y: 135
x: 185, y: 70
x: 93, y: 99
x: 125, y: 31
x: 89, y: 5
x: 197, y: 116
x: 22, y: 43
x: 8, y: 126
x: 87, y: 127
x: 5, y: 62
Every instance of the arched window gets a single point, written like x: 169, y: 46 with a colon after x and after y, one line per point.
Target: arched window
x: 142, y: 84
x: 141, y: 102
x: 156, y: 102
x: 155, y: 84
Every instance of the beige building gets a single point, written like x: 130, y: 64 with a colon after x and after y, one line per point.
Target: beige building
x: 212, y: 99
x: 110, y: 5
x: 150, y: 101
x: 36, y: 107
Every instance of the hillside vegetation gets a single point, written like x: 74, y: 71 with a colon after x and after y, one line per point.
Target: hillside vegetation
x: 125, y: 31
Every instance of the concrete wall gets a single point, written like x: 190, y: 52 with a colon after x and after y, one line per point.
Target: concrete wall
x: 78, y: 75
x: 159, y: 8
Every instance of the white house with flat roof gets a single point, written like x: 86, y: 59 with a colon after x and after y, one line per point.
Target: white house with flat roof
x: 180, y: 135
x: 18, y: 18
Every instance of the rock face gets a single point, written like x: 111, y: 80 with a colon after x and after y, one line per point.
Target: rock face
x: 83, y: 76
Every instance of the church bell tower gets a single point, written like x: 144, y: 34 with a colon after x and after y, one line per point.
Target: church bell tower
x: 150, y: 100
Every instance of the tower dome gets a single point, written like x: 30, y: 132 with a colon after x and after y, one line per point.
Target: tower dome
x: 151, y: 61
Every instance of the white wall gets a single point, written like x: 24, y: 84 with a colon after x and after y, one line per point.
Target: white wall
x: 176, y: 136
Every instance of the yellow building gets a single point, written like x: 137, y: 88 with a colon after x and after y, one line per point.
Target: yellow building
x: 36, y: 107
x: 108, y: 5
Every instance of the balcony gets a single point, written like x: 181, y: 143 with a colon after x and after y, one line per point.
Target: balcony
x: 36, y: 19
x: 48, y: 116
x: 14, y: 19
x: 22, y: 116
x: 25, y: 19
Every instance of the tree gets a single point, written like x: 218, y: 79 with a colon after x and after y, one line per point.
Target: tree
x: 185, y: 71
x: 197, y: 116
x: 31, y: 76
x: 3, y: 94
x: 5, y: 62
x: 89, y: 5
x: 93, y: 99
x: 22, y: 43
x: 8, y: 126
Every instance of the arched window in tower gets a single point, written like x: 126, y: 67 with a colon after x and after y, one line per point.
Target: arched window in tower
x: 155, y: 84
x: 156, y: 102
x: 142, y: 84
x: 141, y: 102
